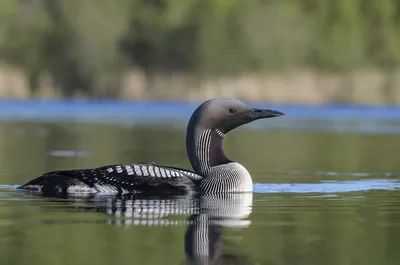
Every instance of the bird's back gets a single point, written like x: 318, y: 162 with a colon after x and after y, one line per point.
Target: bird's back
x: 141, y: 178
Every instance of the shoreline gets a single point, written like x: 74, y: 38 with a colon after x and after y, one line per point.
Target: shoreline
x: 361, y: 87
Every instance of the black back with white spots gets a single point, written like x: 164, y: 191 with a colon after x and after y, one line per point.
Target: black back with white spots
x: 141, y: 178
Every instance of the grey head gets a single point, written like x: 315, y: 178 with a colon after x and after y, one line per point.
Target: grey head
x: 227, y: 114
x: 210, y: 122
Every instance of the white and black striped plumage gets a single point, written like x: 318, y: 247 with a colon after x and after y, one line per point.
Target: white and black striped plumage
x: 147, y: 178
x: 213, y: 171
x: 222, y: 174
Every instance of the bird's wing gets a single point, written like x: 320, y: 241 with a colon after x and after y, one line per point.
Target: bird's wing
x: 120, y: 178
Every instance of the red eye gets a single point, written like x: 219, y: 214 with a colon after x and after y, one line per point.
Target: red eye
x: 232, y: 110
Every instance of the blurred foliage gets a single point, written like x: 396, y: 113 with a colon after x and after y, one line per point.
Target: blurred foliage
x: 85, y: 45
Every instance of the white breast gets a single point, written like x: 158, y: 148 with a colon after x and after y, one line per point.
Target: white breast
x: 245, y: 181
x: 230, y: 177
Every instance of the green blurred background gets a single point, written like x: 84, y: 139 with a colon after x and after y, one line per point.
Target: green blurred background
x: 307, y: 51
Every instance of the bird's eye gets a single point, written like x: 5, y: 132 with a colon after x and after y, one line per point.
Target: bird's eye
x: 232, y: 110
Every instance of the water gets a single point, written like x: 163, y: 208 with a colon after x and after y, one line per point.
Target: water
x: 326, y: 189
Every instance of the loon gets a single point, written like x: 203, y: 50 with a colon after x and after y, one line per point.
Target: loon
x: 213, y: 171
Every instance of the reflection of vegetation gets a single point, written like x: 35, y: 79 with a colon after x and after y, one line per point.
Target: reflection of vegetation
x: 285, y: 230
x: 85, y: 44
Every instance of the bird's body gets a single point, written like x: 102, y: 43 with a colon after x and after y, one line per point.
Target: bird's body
x: 213, y: 171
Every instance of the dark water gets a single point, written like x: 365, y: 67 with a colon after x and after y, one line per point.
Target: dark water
x: 320, y: 198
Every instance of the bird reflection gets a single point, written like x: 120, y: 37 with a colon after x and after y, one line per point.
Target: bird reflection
x: 203, y: 237
x: 208, y: 216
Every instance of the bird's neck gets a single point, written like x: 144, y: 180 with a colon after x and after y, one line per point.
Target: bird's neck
x: 205, y: 150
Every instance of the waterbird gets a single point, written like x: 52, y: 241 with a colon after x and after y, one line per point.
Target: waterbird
x: 212, y: 171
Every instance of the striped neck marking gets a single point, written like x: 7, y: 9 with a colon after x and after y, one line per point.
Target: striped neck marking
x: 220, y: 133
x: 203, y: 150
x: 209, y: 151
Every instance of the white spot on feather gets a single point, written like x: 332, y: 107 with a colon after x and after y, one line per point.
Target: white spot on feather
x: 106, y: 189
x: 145, y: 172
x: 162, y: 172
x: 83, y: 188
x: 157, y: 171
x: 137, y: 170
x: 151, y: 171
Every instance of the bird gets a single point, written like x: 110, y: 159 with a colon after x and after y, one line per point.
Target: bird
x: 212, y: 172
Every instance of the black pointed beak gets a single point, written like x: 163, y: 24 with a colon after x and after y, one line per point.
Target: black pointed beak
x: 249, y: 116
x: 265, y: 113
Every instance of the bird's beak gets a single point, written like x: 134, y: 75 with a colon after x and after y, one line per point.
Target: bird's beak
x: 252, y: 115
x: 265, y: 113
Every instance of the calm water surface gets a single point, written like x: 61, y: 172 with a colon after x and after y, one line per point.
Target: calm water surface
x: 320, y: 198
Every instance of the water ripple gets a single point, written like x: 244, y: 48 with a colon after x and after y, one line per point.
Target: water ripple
x: 69, y: 153
x: 336, y: 174
x: 331, y: 186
